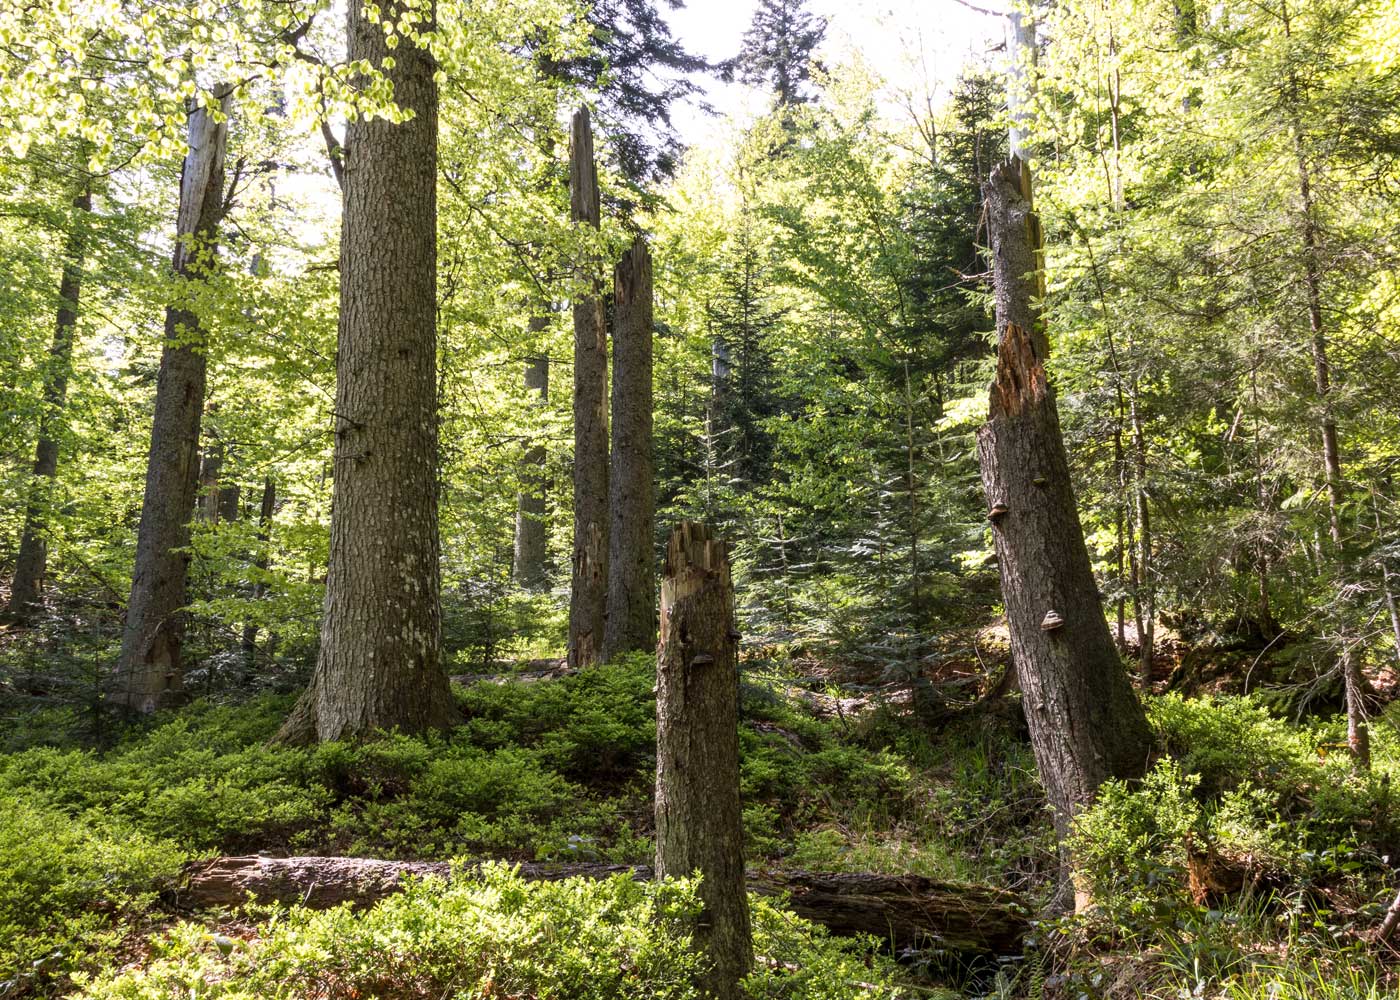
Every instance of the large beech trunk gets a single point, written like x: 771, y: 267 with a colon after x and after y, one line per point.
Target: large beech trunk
x: 32, y: 560
x: 379, y: 666
x: 905, y: 911
x: 531, y: 531
x: 149, y: 671
x: 631, y: 617
x: 699, y: 827
x: 1085, y: 722
x: 589, y: 592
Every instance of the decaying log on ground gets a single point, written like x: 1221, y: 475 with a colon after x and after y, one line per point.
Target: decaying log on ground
x: 907, y: 911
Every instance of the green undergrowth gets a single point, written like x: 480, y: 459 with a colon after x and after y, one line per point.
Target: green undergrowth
x: 1250, y: 857
x: 495, y: 935
x: 1252, y: 861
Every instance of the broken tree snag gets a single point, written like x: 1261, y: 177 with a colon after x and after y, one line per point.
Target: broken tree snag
x: 1085, y: 721
x: 905, y: 911
x: 589, y: 589
x: 698, y: 822
x: 631, y: 617
x: 149, y: 672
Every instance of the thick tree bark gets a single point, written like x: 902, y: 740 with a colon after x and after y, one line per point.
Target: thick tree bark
x: 907, y: 911
x: 589, y: 592
x: 531, y: 531
x: 379, y: 665
x: 1085, y: 722
x: 698, y: 823
x: 631, y: 614
x: 32, y: 561
x: 149, y: 672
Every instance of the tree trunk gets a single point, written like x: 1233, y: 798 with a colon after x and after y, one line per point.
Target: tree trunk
x: 1085, y: 722
x: 209, y: 467
x: 262, y: 559
x: 589, y: 592
x: 531, y: 530
x: 906, y: 911
x: 698, y: 823
x: 32, y: 561
x: 1354, y: 684
x: 149, y: 672
x: 631, y: 616
x: 381, y: 633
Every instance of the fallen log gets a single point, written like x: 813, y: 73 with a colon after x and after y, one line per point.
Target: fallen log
x: 908, y: 911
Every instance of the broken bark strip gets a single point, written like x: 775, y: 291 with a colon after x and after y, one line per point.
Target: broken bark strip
x: 905, y: 911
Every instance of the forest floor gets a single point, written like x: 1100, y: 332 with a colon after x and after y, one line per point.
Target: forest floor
x: 1250, y: 863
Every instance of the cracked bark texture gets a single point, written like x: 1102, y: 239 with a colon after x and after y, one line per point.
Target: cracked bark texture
x: 32, y: 561
x: 698, y: 821
x: 1085, y: 721
x: 149, y: 672
x: 588, y: 593
x: 631, y: 607
x: 379, y: 662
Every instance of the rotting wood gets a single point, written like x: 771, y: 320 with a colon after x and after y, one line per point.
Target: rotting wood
x: 905, y: 911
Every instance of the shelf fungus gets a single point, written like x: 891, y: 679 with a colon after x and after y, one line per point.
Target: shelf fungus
x: 997, y: 512
x: 1052, y: 621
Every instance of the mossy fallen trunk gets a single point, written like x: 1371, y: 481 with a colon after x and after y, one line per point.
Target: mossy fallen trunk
x: 907, y: 911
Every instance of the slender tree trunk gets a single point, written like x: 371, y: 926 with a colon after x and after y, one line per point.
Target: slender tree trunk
x: 379, y: 664
x: 1354, y: 683
x: 631, y: 608
x: 1388, y: 586
x: 698, y: 822
x: 149, y: 672
x: 210, y: 466
x: 1085, y: 721
x: 262, y: 559
x: 531, y: 531
x: 1148, y: 614
x: 1267, y: 626
x: 32, y: 561
x: 589, y: 592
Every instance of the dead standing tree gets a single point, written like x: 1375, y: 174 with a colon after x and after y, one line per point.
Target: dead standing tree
x: 699, y: 827
x: 631, y: 618
x: 589, y: 591
x: 1085, y: 721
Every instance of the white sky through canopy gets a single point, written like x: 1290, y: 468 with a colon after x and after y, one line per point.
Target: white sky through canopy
x: 918, y: 46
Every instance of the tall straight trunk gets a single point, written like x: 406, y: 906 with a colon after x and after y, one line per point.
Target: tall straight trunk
x: 379, y: 664
x: 261, y: 561
x: 699, y: 826
x: 631, y: 615
x: 1267, y: 625
x: 1148, y: 627
x: 589, y: 592
x: 1085, y: 722
x: 1353, y: 681
x: 149, y: 672
x: 531, y: 531
x: 210, y: 466
x: 32, y: 561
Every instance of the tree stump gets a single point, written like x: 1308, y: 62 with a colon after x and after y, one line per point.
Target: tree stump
x: 698, y: 823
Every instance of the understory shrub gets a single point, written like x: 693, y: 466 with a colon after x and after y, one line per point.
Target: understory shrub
x: 66, y: 884
x: 494, y: 934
